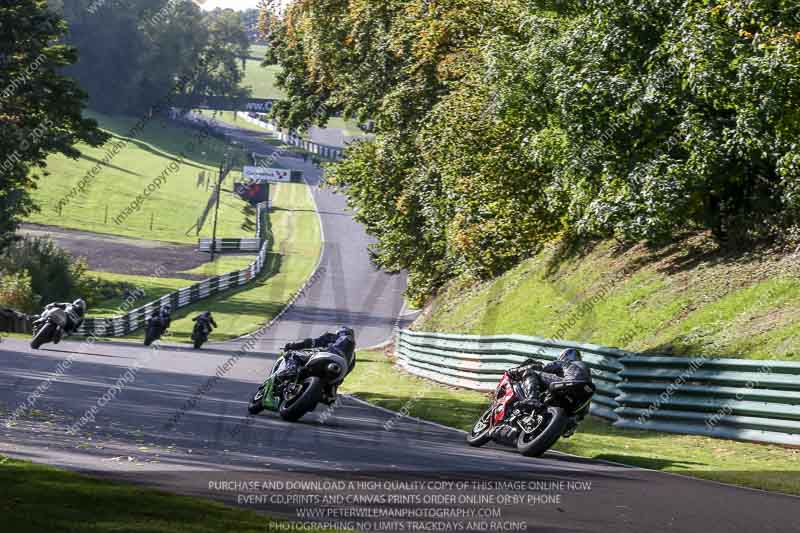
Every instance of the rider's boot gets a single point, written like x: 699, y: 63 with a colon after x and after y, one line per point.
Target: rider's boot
x: 329, y: 394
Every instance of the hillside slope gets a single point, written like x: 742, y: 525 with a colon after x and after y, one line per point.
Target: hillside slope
x: 688, y: 298
x: 125, y: 168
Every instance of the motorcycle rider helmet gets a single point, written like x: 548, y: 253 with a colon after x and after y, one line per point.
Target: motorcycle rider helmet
x: 344, y: 331
x: 79, y: 306
x: 570, y: 355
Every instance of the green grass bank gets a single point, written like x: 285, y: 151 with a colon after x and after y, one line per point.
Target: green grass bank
x: 690, y: 298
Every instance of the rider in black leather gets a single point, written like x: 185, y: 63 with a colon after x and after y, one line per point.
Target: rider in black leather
x: 536, y: 377
x: 163, y: 317
x: 206, y: 320
x: 343, y: 343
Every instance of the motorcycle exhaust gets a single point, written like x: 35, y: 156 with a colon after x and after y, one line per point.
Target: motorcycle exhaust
x: 506, y: 435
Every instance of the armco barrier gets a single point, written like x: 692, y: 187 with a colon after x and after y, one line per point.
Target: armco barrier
x: 477, y: 363
x: 230, y: 245
x: 12, y: 321
x: 119, y: 326
x: 326, y: 152
x: 727, y: 398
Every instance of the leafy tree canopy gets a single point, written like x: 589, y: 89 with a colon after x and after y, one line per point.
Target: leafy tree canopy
x: 504, y: 124
x: 40, y: 109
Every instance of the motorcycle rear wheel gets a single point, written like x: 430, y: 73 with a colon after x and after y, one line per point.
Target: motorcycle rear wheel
x: 43, y: 336
x: 480, y: 433
x: 294, y: 407
x: 544, y: 437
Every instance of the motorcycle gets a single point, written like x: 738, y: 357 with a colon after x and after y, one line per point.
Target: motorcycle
x: 155, y: 329
x: 199, y: 334
x: 294, y: 388
x: 533, y: 430
x: 49, y: 327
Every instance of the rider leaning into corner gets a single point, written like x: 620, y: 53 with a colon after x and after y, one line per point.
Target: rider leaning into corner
x: 206, y: 321
x: 74, y: 311
x: 536, y: 378
x: 163, y: 315
x: 341, y: 343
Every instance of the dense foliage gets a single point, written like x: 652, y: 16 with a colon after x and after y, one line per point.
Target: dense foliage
x: 53, y: 274
x: 131, y: 56
x: 40, y: 109
x: 16, y: 293
x: 503, y: 124
x: 34, y: 272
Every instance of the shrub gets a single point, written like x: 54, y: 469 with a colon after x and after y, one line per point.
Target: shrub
x: 16, y: 293
x: 55, y: 275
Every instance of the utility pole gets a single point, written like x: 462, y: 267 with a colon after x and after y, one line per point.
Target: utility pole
x: 216, y: 209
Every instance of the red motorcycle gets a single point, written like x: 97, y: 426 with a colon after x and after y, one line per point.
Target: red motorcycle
x: 533, y: 427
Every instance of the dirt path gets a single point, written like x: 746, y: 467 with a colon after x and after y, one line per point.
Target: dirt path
x: 122, y: 255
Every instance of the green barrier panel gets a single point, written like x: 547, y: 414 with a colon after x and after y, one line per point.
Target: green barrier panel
x: 725, y: 398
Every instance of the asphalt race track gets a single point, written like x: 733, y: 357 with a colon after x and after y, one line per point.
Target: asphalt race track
x: 181, y: 423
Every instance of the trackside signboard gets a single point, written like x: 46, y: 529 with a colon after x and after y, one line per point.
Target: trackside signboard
x: 256, y: 174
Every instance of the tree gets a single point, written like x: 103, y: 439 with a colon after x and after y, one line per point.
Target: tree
x: 218, y: 71
x: 149, y: 45
x: 40, y: 109
x: 504, y: 124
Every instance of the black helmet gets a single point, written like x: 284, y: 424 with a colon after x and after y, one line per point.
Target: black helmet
x: 570, y: 355
x: 344, y: 331
x: 79, y: 306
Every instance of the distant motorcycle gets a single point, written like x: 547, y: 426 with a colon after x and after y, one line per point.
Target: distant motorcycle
x: 155, y: 329
x: 532, y: 430
x: 294, y: 388
x: 199, y: 335
x: 49, y: 327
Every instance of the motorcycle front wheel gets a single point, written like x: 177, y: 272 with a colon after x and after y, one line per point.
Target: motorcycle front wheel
x: 44, y: 335
x: 481, y: 431
x: 549, y: 430
x: 302, y: 400
x: 151, y: 335
x: 257, y: 402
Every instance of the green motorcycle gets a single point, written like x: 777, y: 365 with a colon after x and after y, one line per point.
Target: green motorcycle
x: 298, y: 382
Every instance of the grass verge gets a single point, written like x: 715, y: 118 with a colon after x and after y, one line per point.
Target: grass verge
x: 38, y: 498
x: 765, y: 467
x: 296, y: 249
